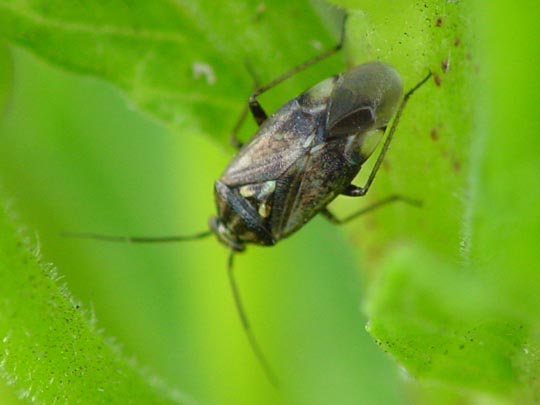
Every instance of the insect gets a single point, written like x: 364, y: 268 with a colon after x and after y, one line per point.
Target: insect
x: 301, y: 158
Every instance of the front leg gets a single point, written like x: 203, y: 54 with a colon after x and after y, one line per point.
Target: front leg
x: 258, y: 114
x: 256, y: 109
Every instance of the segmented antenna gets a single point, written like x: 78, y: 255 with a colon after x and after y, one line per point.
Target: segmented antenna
x: 136, y: 239
x: 247, y: 327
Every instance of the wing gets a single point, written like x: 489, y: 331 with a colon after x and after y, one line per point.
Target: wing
x: 312, y: 183
x: 363, y: 98
x: 282, y: 139
x: 286, y: 198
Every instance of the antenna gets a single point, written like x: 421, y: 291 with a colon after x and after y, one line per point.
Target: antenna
x: 136, y: 239
x: 245, y: 324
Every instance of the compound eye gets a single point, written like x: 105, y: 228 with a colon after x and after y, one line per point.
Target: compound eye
x: 356, y: 121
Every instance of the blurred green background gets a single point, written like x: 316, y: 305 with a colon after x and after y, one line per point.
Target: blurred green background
x: 77, y: 155
x: 79, y: 159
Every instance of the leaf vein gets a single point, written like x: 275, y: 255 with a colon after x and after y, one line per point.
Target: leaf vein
x: 111, y: 30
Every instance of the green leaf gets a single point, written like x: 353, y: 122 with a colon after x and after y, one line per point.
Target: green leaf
x: 170, y: 305
x: 427, y: 160
x: 450, y: 326
x: 5, y: 76
x: 457, y: 301
x: 51, y: 348
x: 83, y: 162
x: 182, y: 62
x: 453, y: 286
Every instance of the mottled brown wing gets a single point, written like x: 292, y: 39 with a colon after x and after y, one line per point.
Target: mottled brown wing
x: 280, y: 142
x: 286, y: 197
x: 312, y: 183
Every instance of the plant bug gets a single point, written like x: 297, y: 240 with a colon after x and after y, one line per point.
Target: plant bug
x: 301, y: 158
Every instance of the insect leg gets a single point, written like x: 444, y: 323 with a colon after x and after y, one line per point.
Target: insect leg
x: 233, y: 137
x: 258, y: 114
x: 245, y: 323
x: 390, y: 199
x: 255, y: 107
x: 360, y: 191
x: 302, y: 66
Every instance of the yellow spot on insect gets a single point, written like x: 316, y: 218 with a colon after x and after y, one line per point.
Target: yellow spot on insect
x: 268, y: 188
x: 264, y: 210
x: 316, y: 148
x: 308, y: 141
x: 247, y: 191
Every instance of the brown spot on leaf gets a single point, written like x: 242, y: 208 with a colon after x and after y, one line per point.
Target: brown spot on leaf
x: 434, y: 133
x: 456, y: 165
x: 445, y: 64
x: 438, y: 22
x: 457, y: 42
x: 437, y: 79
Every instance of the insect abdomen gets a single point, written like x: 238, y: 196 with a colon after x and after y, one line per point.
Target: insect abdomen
x: 312, y: 183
